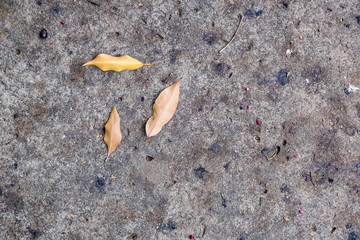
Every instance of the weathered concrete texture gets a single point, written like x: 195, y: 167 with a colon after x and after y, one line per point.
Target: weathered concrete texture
x: 209, y: 176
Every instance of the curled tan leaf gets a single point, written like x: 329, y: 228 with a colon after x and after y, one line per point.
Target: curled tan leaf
x: 164, y: 109
x: 106, y: 63
x: 112, y: 136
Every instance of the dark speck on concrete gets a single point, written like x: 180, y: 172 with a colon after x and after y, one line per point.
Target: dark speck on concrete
x: 199, y: 172
x: 242, y: 237
x: 167, y: 226
x: 16, y: 165
x: 221, y: 68
x: 248, y: 13
x: 17, y: 221
x: 331, y: 180
x: 358, y: 19
x: 348, y: 226
x: 350, y: 131
x: 214, y: 148
x: 223, y: 202
x: 33, y: 233
x: 39, y: 3
x: 282, y: 78
x: 100, y: 183
x: 226, y: 166
x: 173, y: 55
x: 285, y: 4
x: 304, y: 175
x: 258, y: 12
x: 210, y: 38
x: 241, y: 107
x: 353, y: 236
x: 357, y: 165
x: 56, y: 10
x: 347, y: 25
x: 346, y: 91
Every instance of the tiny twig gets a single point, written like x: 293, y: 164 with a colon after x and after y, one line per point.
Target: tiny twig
x: 233, y: 37
x: 93, y: 3
x: 275, y: 153
x: 311, y: 180
x: 100, y: 149
x: 203, y: 233
x: 166, y: 79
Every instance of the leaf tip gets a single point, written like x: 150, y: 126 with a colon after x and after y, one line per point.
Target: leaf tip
x: 114, y: 108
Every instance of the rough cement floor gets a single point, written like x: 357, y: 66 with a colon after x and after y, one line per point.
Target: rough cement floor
x: 209, y: 176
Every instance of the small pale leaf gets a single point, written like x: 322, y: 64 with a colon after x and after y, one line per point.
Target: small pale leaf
x: 164, y: 109
x: 107, y: 63
x: 112, y: 136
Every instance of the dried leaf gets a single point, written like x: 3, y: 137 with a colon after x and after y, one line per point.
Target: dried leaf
x: 107, y: 63
x: 164, y: 109
x: 112, y: 132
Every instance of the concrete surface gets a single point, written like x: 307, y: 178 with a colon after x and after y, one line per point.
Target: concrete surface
x: 209, y: 176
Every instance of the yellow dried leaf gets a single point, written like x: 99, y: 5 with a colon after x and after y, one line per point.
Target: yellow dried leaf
x: 112, y: 132
x: 164, y: 109
x: 107, y: 63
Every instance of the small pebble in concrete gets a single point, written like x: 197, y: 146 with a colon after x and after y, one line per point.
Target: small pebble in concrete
x: 200, y: 171
x: 33, y: 232
x: 348, y: 226
x: 295, y: 156
x: 56, y: 10
x: 248, y: 13
x: 258, y: 122
x: 167, y: 226
x: 288, y: 53
x: 301, y: 212
x: 214, y: 148
x: 247, y: 89
x: 210, y: 38
x: 282, y: 78
x: 258, y: 12
x: 191, y: 237
x: 353, y: 236
x: 43, y: 33
x: 100, y: 183
x: 62, y: 22
x: 249, y: 107
x: 346, y: 91
x: 358, y: 19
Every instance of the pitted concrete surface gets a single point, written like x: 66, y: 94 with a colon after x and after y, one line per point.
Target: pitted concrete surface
x: 207, y: 173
